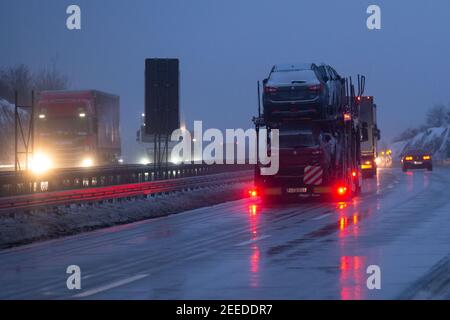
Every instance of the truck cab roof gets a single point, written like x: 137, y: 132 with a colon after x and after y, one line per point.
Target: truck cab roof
x: 89, y: 93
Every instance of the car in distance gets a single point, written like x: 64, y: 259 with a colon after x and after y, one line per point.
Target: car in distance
x: 302, y: 90
x: 417, y: 159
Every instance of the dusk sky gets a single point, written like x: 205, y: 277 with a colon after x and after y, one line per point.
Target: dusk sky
x: 224, y: 47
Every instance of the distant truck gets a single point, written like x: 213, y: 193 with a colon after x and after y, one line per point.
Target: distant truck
x: 371, y: 135
x: 77, y: 129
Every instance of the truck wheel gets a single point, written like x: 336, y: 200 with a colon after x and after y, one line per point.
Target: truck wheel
x: 430, y: 168
x: 404, y: 169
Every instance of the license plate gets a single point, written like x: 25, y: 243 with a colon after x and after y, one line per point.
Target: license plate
x: 322, y: 189
x: 273, y: 191
x: 296, y: 190
x: 418, y: 162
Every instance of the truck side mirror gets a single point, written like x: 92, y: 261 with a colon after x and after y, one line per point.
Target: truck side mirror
x: 364, y: 132
x: 95, y: 125
x: 378, y: 133
x: 265, y: 81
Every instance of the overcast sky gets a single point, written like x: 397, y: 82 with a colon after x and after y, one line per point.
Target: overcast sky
x: 225, y: 46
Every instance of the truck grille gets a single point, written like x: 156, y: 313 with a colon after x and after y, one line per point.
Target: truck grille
x: 68, y: 157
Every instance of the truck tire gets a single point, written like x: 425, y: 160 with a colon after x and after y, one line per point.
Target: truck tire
x: 404, y: 169
x: 430, y: 168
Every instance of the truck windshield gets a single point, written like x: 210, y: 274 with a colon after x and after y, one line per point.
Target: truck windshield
x: 297, y: 139
x: 63, y: 126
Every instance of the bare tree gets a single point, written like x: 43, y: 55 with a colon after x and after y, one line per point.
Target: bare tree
x: 17, y: 78
x: 406, y: 134
x: 50, y: 79
x: 437, y: 116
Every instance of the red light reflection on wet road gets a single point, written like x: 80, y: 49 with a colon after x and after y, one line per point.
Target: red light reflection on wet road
x: 352, y: 277
x: 253, y: 211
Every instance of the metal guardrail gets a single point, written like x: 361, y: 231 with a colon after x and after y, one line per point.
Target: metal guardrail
x: 21, y: 183
x: 99, y: 194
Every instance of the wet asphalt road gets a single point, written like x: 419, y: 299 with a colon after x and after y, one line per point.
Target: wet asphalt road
x: 245, y: 250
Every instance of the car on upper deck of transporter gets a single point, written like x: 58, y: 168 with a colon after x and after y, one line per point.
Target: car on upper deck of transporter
x: 302, y: 90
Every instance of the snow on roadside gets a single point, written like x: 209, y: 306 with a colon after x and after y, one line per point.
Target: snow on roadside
x: 21, y: 228
x: 433, y: 140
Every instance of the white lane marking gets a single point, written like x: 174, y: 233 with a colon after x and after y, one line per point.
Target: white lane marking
x: 110, y: 286
x: 321, y: 217
x: 252, y: 240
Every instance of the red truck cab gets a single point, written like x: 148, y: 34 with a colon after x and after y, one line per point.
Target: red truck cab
x: 77, y: 128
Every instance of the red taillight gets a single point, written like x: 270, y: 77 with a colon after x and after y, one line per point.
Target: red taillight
x: 253, y: 193
x: 315, y: 88
x: 341, y: 190
x: 270, y: 89
x: 354, y: 173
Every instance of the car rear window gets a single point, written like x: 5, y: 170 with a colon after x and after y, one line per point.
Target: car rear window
x: 293, y: 75
x: 416, y: 152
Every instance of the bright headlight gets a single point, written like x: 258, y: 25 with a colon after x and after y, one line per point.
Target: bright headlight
x: 87, y: 162
x: 40, y: 163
